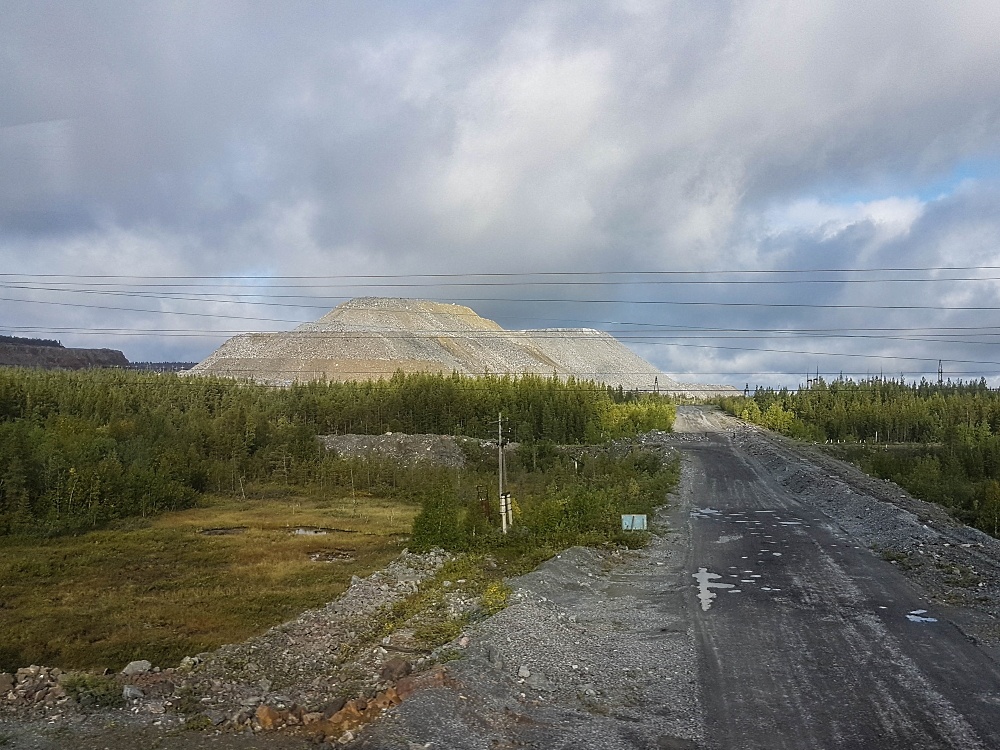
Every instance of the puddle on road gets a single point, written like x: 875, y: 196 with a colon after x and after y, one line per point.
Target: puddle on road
x: 917, y: 615
x: 706, y: 513
x: 707, y: 582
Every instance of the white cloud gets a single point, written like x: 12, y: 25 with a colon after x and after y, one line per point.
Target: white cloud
x: 508, y: 137
x: 892, y: 216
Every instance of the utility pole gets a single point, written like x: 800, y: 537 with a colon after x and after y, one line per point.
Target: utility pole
x: 940, y: 373
x: 506, y: 511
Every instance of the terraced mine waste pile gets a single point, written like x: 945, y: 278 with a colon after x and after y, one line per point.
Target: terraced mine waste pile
x: 373, y: 337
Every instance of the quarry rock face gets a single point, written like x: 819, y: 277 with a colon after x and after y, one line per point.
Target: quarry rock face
x: 373, y: 337
x: 58, y: 357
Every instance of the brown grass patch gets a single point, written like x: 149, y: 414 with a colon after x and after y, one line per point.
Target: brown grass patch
x: 164, y: 590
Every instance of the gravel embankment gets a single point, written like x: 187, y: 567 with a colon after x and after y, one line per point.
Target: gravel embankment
x: 956, y: 565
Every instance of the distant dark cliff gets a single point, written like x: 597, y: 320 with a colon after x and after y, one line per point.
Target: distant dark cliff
x: 50, y: 357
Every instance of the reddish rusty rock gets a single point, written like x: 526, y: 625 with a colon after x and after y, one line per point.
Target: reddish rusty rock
x: 348, y: 717
x: 320, y: 729
x: 313, y: 717
x: 267, y: 717
x: 394, y: 669
x: 387, y: 699
x: 334, y: 706
x: 432, y: 678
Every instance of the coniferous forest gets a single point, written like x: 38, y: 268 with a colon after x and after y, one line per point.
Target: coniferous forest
x: 939, y: 442
x: 82, y: 449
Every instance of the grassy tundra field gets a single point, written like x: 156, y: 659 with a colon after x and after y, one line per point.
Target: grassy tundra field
x: 162, y: 588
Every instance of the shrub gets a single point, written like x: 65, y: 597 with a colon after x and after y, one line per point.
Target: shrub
x: 93, y: 691
x: 495, y: 597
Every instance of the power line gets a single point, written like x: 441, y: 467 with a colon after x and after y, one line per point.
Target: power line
x: 522, y: 275
x: 664, y: 327
x: 518, y: 283
x: 681, y: 303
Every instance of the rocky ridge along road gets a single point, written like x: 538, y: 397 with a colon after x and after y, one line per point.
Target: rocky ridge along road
x: 787, y: 601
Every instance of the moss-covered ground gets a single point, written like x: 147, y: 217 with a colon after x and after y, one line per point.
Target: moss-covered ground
x: 162, y: 589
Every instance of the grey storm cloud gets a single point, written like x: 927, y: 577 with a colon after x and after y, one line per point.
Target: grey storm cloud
x: 332, y: 139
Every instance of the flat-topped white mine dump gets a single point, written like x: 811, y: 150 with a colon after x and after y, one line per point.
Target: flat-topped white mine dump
x: 373, y: 337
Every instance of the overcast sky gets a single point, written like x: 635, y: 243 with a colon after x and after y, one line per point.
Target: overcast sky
x: 325, y: 140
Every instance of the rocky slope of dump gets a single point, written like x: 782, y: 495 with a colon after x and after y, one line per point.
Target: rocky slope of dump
x: 373, y: 337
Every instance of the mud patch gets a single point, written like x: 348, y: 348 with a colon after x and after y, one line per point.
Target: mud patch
x: 332, y: 555
x: 226, y: 531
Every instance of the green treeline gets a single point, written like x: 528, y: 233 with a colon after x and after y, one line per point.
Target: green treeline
x: 940, y: 442
x: 560, y: 497
x: 80, y: 449
x: 29, y: 342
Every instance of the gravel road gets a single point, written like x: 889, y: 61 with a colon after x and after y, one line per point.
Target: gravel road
x: 764, y: 617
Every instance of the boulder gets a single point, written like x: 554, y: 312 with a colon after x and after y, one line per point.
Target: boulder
x: 137, y: 667
x: 267, y: 717
x: 333, y: 707
x: 395, y: 669
x: 538, y: 681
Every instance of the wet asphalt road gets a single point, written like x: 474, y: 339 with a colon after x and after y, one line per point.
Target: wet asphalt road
x: 807, y: 640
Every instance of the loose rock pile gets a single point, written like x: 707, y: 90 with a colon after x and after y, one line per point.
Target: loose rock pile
x: 33, y: 687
